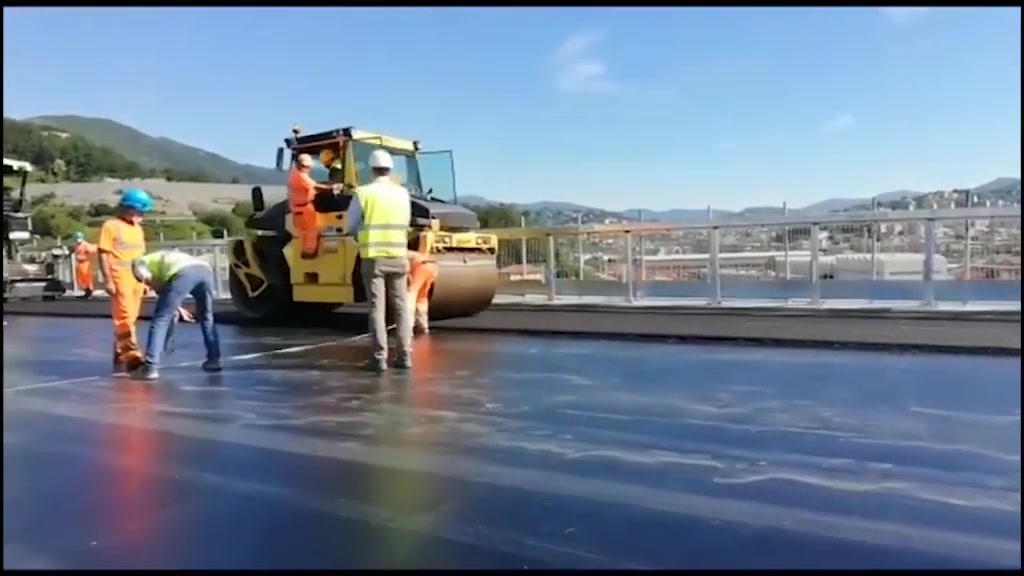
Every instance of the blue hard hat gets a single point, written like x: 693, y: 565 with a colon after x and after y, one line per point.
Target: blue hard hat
x: 136, y: 199
x: 78, y: 236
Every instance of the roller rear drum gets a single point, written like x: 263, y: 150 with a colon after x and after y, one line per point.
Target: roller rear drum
x: 466, y: 284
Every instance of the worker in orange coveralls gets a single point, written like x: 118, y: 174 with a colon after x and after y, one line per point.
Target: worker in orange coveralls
x: 84, y: 253
x: 422, y: 274
x: 302, y: 189
x: 122, y: 241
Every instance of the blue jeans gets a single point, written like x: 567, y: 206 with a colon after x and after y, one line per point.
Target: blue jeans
x: 196, y: 280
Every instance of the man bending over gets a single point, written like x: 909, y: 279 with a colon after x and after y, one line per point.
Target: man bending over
x: 174, y: 276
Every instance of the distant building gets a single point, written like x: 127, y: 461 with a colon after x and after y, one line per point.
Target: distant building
x: 520, y: 272
x: 858, y: 267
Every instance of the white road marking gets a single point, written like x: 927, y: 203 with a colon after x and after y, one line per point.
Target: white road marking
x: 249, y: 356
x: 49, y: 384
x: 302, y: 348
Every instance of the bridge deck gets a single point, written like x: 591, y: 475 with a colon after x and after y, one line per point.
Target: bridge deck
x: 984, y: 330
x: 505, y: 452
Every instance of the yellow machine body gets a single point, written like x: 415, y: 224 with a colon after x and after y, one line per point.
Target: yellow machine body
x: 269, y: 276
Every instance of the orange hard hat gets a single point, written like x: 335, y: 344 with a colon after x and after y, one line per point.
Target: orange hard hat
x: 328, y: 157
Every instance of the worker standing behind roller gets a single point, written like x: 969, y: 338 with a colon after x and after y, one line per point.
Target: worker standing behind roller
x: 302, y: 190
x: 422, y: 274
x: 84, y: 253
x: 379, y: 215
x: 122, y: 241
x: 175, y: 276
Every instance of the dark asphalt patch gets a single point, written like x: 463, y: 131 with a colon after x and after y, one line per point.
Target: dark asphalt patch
x: 507, y: 452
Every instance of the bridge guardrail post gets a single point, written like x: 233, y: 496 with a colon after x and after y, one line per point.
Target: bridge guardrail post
x: 551, y: 269
x: 630, y: 294
x: 814, y: 267
x: 216, y: 271
x: 929, y: 262
x: 714, y: 266
x: 968, y: 248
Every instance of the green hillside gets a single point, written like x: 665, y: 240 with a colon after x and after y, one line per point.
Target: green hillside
x: 59, y: 155
x: 158, y: 152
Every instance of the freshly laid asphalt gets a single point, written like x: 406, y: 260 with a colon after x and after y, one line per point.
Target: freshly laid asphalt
x: 991, y: 332
x: 504, y: 452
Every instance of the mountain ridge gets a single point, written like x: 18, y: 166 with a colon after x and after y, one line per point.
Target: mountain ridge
x: 162, y: 152
x: 159, y: 151
x: 1001, y: 187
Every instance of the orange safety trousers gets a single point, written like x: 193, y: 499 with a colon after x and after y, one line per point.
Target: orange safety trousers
x: 83, y: 275
x: 422, y: 275
x: 124, y: 309
x: 307, y: 228
x: 83, y: 266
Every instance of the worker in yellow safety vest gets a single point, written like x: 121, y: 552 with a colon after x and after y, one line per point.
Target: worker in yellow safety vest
x: 379, y: 216
x: 175, y: 276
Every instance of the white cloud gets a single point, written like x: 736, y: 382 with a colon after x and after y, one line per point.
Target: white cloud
x: 904, y: 13
x: 839, y: 123
x: 577, y: 69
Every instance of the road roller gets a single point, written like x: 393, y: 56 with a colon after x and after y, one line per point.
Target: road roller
x: 270, y: 278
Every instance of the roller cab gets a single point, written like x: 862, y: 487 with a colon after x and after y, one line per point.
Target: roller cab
x: 271, y: 278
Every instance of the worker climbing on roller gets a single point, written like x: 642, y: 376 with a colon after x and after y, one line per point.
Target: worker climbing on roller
x: 379, y: 215
x: 84, y: 253
x: 422, y: 274
x: 122, y: 241
x: 302, y: 190
x: 175, y: 276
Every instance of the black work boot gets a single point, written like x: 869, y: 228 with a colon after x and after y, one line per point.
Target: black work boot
x: 117, y: 367
x: 375, y: 366
x: 212, y: 366
x: 403, y: 364
x: 146, y: 372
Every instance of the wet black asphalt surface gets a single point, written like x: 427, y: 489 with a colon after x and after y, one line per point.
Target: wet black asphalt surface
x: 505, y: 452
x: 907, y: 329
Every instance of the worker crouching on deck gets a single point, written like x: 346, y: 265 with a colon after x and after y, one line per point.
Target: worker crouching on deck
x: 122, y: 241
x: 174, y: 276
x: 302, y: 190
x: 84, y: 252
x: 422, y: 274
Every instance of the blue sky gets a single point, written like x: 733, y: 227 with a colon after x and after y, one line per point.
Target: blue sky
x: 618, y: 108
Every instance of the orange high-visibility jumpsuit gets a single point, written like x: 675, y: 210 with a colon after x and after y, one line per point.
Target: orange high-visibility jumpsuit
x: 121, y: 242
x: 422, y: 274
x: 84, y: 253
x: 301, y: 192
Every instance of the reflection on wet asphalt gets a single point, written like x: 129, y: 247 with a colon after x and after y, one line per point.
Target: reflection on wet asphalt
x: 505, y: 452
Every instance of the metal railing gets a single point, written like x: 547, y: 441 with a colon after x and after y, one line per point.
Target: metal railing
x: 213, y: 251
x: 966, y: 255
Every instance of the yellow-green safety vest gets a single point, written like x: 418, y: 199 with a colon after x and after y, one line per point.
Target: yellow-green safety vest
x: 385, y: 224
x: 164, y: 264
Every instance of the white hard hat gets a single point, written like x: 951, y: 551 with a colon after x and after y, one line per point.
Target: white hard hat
x: 380, y: 158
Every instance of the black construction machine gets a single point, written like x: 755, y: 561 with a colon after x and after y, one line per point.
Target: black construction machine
x: 25, y: 280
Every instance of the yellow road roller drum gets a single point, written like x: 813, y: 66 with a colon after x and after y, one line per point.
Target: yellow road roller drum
x: 270, y: 277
